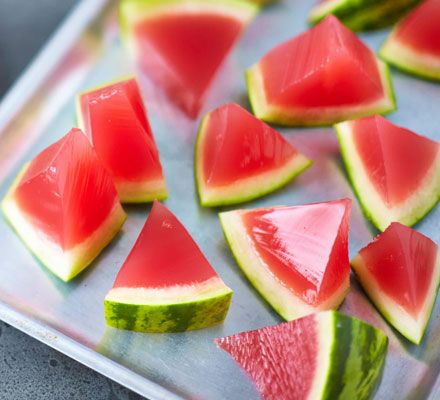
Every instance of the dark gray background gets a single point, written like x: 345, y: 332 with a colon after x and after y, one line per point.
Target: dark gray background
x: 28, y: 368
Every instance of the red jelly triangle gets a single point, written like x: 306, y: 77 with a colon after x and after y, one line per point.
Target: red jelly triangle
x: 393, y: 185
x: 66, y: 191
x: 306, y: 74
x: 64, y: 205
x: 164, y: 255
x: 296, y: 257
x: 114, y: 118
x: 400, y: 271
x: 181, y: 45
x: 322, y: 76
x: 239, y: 157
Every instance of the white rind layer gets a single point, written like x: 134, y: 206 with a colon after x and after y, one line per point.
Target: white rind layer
x: 326, y: 340
x: 315, y: 116
x: 254, y: 186
x: 66, y: 264
x: 413, y: 328
x: 283, y: 300
x: 169, y: 295
x: 410, y: 59
x: 408, y: 212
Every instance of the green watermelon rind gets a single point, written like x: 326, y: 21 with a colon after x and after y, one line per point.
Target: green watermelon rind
x: 46, y: 257
x: 412, y: 330
x: 136, y: 10
x: 378, y: 16
x: 356, y: 357
x: 365, y: 191
x: 362, y: 15
x: 409, y: 60
x: 278, y: 116
x: 254, y: 188
x: 283, y: 301
x: 338, y: 8
x: 128, y: 192
x: 173, y: 316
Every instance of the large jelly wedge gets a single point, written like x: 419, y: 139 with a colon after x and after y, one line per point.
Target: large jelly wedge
x: 64, y: 206
x: 296, y: 257
x: 400, y: 271
x: 181, y: 44
x: 166, y: 284
x: 323, y: 76
x: 414, y: 44
x: 395, y: 172
x: 239, y: 157
x: 115, y: 120
x: 324, y: 356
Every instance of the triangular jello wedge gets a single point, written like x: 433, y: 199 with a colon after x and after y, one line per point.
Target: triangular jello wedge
x: 414, y: 44
x: 325, y: 356
x: 395, y: 172
x: 166, y: 284
x: 181, y: 44
x: 323, y: 76
x: 115, y: 120
x: 64, y: 205
x: 296, y: 257
x: 400, y: 271
x: 239, y: 157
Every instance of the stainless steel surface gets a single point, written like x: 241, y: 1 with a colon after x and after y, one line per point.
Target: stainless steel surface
x: 69, y: 316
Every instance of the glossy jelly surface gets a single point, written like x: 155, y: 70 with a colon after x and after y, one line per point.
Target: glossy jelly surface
x: 182, y: 53
x: 66, y: 192
x: 396, y: 159
x: 116, y: 122
x: 304, y: 247
x: 280, y: 359
x: 237, y: 145
x: 421, y: 28
x: 323, y: 67
x: 402, y: 261
x: 164, y: 255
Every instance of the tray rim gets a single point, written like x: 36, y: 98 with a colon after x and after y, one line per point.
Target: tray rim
x: 14, y: 100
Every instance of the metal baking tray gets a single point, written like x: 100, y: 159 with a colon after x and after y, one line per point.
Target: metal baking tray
x: 86, y: 51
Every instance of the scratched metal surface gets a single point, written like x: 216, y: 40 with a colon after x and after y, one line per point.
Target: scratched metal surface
x: 69, y: 316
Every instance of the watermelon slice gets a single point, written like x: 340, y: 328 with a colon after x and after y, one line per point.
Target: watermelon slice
x: 114, y: 119
x: 296, y: 257
x: 181, y: 44
x: 166, y: 284
x: 239, y: 157
x: 362, y: 14
x: 64, y: 206
x: 401, y: 186
x: 400, y: 271
x: 320, y: 77
x: 326, y: 356
x: 414, y: 45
